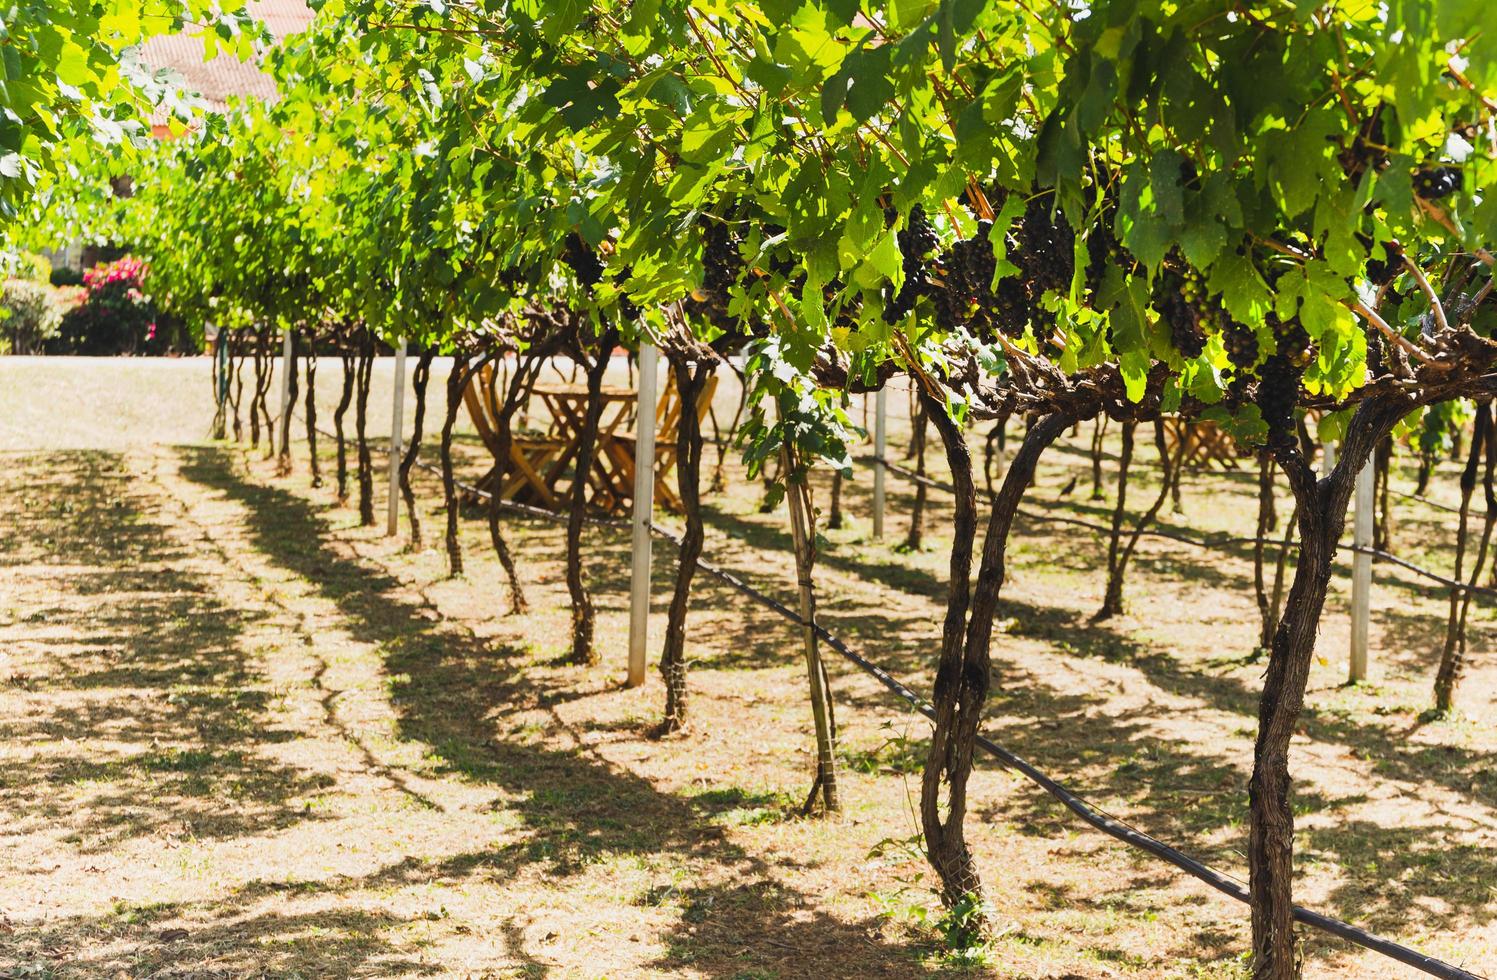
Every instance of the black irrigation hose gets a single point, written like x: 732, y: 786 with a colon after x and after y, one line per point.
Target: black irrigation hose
x: 1093, y: 816
x: 1208, y: 544
x: 1425, y: 500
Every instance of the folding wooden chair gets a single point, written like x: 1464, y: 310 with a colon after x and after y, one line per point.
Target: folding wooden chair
x: 531, y: 458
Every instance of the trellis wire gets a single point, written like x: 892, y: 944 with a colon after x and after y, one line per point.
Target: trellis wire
x: 1088, y: 812
x: 1211, y: 544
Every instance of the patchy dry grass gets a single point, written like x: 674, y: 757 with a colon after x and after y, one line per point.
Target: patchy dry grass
x: 240, y: 736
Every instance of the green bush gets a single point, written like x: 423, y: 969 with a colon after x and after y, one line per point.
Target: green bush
x: 32, y: 315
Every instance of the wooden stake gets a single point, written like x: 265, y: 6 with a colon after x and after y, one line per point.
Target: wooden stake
x: 392, y: 514
x: 644, y: 511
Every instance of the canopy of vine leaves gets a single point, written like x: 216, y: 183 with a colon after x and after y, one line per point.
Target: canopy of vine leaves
x: 1215, y: 193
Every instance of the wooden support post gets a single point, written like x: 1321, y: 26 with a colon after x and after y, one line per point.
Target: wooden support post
x: 1361, y: 575
x: 286, y: 355
x: 880, y: 446
x: 644, y: 511
x: 392, y: 513
x: 1327, y: 459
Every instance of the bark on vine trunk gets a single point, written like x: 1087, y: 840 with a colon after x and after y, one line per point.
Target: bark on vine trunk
x: 1321, y: 517
x: 236, y: 369
x: 1383, y: 524
x: 1099, y: 432
x: 255, y: 392
x: 834, y: 519
x: 221, y: 369
x: 963, y: 674
x: 1452, y: 657
x: 449, y: 485
x: 516, y: 386
x: 310, y: 411
x: 1112, y: 602
x: 344, y: 400
x: 1169, y: 481
x: 719, y: 480
x: 584, y: 652
x: 419, y: 377
x: 360, y: 422
x: 283, y: 463
x: 263, y: 382
x: 1268, y: 601
x: 992, y: 453
x: 690, y: 380
x: 823, y: 716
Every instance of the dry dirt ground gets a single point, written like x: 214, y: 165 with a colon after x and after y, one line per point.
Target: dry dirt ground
x: 242, y: 736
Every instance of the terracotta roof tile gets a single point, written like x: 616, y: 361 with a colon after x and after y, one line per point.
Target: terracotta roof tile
x: 225, y: 76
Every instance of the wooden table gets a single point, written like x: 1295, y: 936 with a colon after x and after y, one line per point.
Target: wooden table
x: 566, y: 404
x: 539, y: 463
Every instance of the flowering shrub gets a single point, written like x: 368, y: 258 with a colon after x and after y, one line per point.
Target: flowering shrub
x: 116, y: 316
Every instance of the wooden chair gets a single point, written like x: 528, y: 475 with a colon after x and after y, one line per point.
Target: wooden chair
x: 619, y: 454
x: 531, y: 458
x: 1206, y: 444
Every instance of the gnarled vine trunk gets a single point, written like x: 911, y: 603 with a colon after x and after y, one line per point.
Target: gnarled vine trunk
x: 584, y: 617
x: 1321, y: 517
x: 1099, y: 433
x: 360, y: 423
x: 344, y: 400
x: 1453, y: 656
x: 258, y: 389
x: 1112, y: 602
x: 236, y: 370
x: 310, y: 411
x: 283, y: 464
x: 449, y: 486
x: 419, y: 377
x: 963, y: 672
x: 690, y: 380
x: 517, y: 391
x: 803, y: 535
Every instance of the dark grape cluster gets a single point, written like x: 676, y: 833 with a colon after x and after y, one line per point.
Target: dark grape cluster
x: 1433, y: 183
x: 722, y: 266
x: 1292, y: 340
x: 1376, y: 364
x: 1381, y: 270
x: 1044, y: 249
x: 1367, y: 149
x: 916, y: 240
x: 1278, y: 393
x: 1102, y: 247
x: 628, y: 309
x: 965, y: 275
x: 1241, y: 344
x: 1180, y: 300
x: 582, y: 260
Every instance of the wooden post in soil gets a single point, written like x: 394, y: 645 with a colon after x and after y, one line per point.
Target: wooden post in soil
x: 1361, y: 574
x: 880, y: 446
x: 644, y: 510
x: 392, y: 513
x: 803, y: 532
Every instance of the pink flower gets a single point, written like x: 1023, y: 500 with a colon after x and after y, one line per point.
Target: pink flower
x: 151, y: 332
